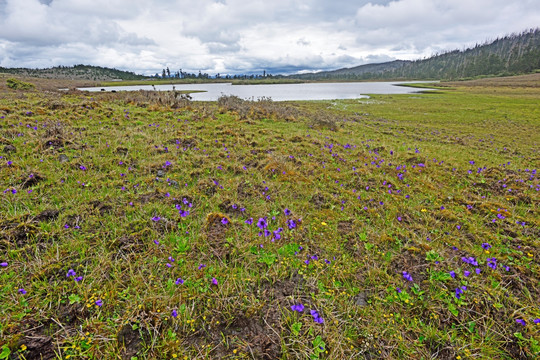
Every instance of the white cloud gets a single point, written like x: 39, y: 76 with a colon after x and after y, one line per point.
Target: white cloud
x: 241, y: 36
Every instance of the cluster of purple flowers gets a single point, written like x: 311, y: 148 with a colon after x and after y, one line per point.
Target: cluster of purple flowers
x: 72, y: 273
x: 316, y: 316
x: 182, y: 212
x: 460, y: 291
x: 470, y: 260
x: 407, y: 276
x: 492, y: 263
x: 291, y: 223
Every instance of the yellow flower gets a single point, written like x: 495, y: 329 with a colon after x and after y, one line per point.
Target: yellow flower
x: 323, y: 223
x: 23, y: 347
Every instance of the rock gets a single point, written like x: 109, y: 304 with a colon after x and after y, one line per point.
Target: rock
x: 173, y: 183
x: 360, y: 299
x: 63, y: 158
x: 160, y: 173
x: 10, y: 148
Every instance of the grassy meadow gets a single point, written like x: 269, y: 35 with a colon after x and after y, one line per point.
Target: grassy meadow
x: 147, y: 226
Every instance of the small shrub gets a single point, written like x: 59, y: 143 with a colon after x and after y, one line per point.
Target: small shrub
x: 18, y: 85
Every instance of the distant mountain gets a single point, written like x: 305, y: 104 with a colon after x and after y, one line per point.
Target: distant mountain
x: 510, y: 55
x: 85, y: 72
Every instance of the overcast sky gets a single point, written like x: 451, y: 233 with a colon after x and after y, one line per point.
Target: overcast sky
x: 237, y: 36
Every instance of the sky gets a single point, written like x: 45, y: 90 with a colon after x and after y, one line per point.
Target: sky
x: 248, y: 36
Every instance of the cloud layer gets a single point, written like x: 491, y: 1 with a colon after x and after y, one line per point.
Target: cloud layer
x: 237, y: 36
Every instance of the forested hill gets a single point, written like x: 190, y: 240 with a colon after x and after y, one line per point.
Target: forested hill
x: 510, y: 55
x: 86, y: 72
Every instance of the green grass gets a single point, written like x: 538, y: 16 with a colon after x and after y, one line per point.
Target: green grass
x: 403, y: 183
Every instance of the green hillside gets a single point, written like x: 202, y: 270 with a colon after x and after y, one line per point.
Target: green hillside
x: 86, y: 72
x: 510, y: 55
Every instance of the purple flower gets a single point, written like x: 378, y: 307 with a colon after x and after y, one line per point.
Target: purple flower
x: 71, y: 272
x: 3, y: 264
x: 214, y: 281
x: 466, y: 273
x: 201, y: 266
x: 287, y: 212
x: 82, y: 167
x: 521, y: 322
x: 156, y: 218
x: 174, y: 314
x: 99, y: 302
x: 453, y: 274
x: 291, y: 224
x: 224, y: 221
x: 316, y: 317
x: 407, y: 276
x: 262, y: 224
x: 298, y: 307
x: 458, y: 291
x: 492, y: 263
x: 470, y: 260
x: 249, y: 221
x: 22, y: 291
x: 536, y: 321
x: 183, y: 213
x: 78, y: 278
x: 179, y: 281
x: 477, y: 270
x: 486, y: 246
x: 156, y: 242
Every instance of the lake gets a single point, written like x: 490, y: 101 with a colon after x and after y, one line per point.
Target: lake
x: 279, y: 92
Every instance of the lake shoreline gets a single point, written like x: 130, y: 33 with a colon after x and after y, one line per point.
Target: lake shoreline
x: 277, y: 92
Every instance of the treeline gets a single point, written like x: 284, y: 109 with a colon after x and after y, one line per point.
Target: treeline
x: 86, y: 72
x: 167, y: 74
x: 510, y: 55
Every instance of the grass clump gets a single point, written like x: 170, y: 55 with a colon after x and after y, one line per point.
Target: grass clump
x: 134, y: 225
x: 16, y: 84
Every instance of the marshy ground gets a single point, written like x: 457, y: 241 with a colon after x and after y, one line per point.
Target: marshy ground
x: 143, y: 225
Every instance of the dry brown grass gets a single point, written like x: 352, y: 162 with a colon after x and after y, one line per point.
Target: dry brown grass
x: 529, y: 80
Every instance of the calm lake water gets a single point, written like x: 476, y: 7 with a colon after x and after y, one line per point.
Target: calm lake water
x: 279, y: 92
